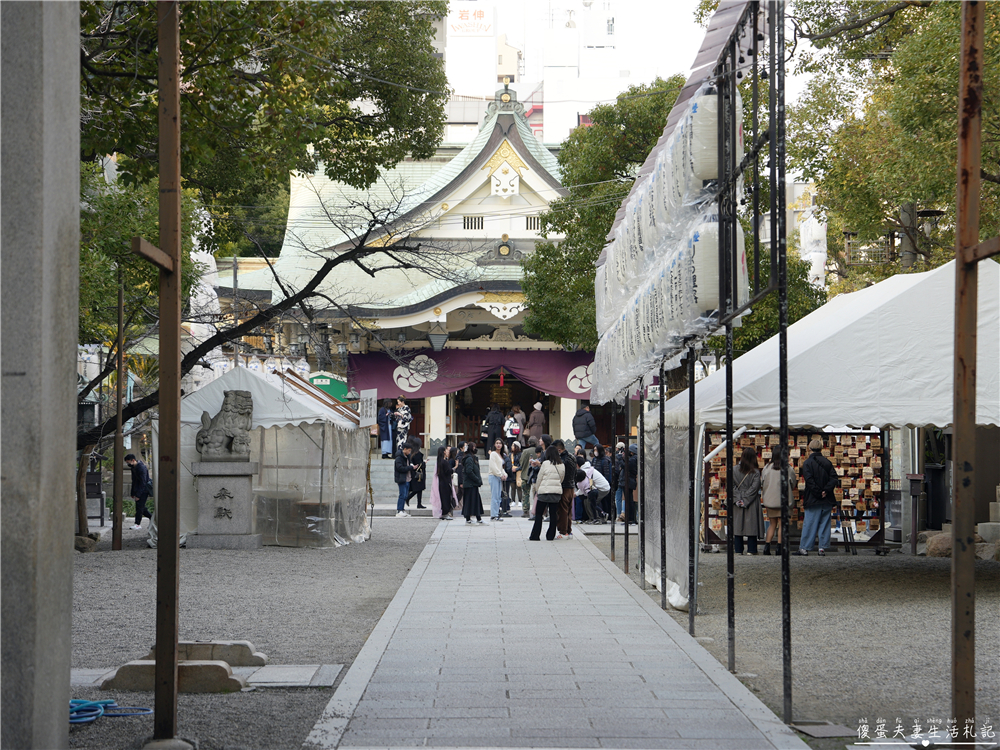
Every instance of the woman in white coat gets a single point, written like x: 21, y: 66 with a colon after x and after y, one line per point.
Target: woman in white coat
x: 549, y: 481
x: 497, y: 477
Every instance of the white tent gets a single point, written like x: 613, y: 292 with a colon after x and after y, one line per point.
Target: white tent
x: 881, y: 356
x: 276, y: 404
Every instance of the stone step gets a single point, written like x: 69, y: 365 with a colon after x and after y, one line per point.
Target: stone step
x: 277, y: 675
x: 193, y: 676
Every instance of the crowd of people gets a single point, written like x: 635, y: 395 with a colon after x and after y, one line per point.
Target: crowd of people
x: 590, y: 484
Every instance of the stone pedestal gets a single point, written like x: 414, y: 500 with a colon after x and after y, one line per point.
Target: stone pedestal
x: 226, y: 517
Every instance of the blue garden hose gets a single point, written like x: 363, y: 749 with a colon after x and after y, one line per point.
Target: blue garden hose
x: 84, y: 712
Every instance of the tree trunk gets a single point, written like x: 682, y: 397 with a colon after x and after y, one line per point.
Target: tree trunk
x: 81, y: 491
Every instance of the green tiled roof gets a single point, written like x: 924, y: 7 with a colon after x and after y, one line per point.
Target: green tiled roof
x: 320, y: 220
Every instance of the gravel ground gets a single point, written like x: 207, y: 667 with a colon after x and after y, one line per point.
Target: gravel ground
x: 298, y: 606
x: 871, y: 636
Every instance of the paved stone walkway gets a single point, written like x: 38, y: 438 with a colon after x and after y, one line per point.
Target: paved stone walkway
x: 497, y: 641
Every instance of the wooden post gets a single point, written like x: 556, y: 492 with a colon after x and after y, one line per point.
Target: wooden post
x: 168, y: 476
x: 963, y: 555
x: 119, y: 463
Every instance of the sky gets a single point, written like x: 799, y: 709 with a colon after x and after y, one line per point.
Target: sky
x: 653, y: 37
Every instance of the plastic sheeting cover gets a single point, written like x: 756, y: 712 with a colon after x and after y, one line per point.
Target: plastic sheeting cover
x: 658, y: 290
x: 674, y: 464
x: 311, y: 488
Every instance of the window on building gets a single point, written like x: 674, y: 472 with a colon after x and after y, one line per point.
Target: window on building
x: 472, y: 222
x: 611, y: 26
x: 499, y: 59
x: 532, y: 223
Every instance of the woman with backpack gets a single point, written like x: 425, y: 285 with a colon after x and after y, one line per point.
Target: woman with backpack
x: 511, y: 430
x: 550, y: 482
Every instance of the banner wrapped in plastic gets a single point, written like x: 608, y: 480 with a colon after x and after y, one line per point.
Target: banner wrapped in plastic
x: 658, y: 290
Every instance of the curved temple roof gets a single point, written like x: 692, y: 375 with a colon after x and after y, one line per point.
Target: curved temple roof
x: 422, y: 198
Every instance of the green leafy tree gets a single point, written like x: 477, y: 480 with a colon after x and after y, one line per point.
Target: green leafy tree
x: 877, y: 128
x: 267, y: 88
x: 599, y: 165
x: 110, y: 215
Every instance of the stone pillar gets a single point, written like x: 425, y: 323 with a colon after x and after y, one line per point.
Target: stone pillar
x: 40, y: 260
x: 436, y: 409
x: 226, y: 511
x: 567, y: 410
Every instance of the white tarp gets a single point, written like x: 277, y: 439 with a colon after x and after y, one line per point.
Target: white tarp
x: 275, y: 404
x: 882, y: 356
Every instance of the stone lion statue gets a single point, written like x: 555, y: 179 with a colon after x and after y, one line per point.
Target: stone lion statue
x: 226, y: 437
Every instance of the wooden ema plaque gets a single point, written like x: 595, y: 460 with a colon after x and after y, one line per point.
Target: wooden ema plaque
x: 856, y: 458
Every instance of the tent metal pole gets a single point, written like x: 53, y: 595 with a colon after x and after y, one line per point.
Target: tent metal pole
x: 626, y: 492
x: 779, y: 249
x: 730, y: 551
x: 728, y: 270
x: 663, y: 493
x: 641, y: 438
x: 692, y: 523
x: 614, y: 455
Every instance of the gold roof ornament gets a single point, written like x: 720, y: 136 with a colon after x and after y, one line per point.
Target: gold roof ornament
x: 506, y: 153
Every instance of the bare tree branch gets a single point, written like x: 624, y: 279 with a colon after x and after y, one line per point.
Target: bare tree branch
x: 373, y: 229
x: 886, y: 13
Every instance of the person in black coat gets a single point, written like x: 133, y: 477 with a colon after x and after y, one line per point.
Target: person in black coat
x: 472, y: 480
x: 628, y: 492
x: 402, y: 473
x: 565, y: 524
x: 443, y: 476
x: 821, y: 479
x: 585, y: 426
x: 141, y: 487
x: 385, y: 424
x: 494, y: 428
x: 419, y: 481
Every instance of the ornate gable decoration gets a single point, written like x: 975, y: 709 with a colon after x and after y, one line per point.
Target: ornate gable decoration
x: 503, y: 305
x: 505, y: 168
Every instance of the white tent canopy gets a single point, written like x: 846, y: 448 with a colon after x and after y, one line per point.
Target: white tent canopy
x: 275, y: 404
x: 882, y: 356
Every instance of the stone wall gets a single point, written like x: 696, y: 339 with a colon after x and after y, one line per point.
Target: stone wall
x: 40, y: 257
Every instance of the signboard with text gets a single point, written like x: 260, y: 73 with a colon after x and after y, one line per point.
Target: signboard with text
x: 471, y: 19
x: 368, y: 407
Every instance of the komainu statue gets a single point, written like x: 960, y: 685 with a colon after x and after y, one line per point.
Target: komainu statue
x: 226, y: 437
